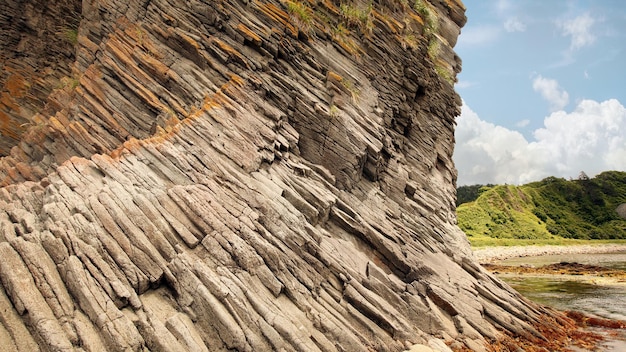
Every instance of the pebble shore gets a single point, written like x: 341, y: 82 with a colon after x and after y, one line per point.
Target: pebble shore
x: 493, y: 254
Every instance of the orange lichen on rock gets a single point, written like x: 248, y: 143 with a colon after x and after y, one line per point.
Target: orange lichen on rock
x: 232, y: 53
x: 559, y: 335
x: 7, y: 102
x: 56, y: 124
x: 4, y: 121
x: 278, y: 15
x: 416, y: 17
x: 208, y: 104
x: 219, y: 98
x: 334, y: 77
x: 328, y: 4
x: 14, y: 88
x: 393, y: 25
x: 237, y: 80
x: 349, y: 45
x: 585, y: 320
x: 16, y: 85
x: 249, y: 35
x: 139, y: 88
x: 173, y: 124
x: 188, y: 40
x: 156, y: 67
x: 92, y: 75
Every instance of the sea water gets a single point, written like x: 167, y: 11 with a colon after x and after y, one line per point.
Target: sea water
x: 601, y: 298
x: 605, y: 299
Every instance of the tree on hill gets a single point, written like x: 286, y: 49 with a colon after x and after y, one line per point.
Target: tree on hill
x: 466, y: 194
x: 583, y: 208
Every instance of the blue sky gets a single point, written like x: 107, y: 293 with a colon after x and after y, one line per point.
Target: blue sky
x: 543, y: 88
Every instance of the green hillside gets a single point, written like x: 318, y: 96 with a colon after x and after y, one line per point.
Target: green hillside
x: 553, y: 208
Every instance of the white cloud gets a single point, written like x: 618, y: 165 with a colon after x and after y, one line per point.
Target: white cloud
x: 514, y: 25
x: 486, y: 153
x: 592, y: 138
x: 472, y: 36
x: 593, y: 134
x: 579, y: 29
x: 464, y: 84
x: 552, y: 92
x: 522, y: 123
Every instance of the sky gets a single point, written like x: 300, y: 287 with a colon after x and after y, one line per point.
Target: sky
x: 543, y: 88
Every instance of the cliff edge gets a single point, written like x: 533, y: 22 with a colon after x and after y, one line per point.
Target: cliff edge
x: 238, y: 175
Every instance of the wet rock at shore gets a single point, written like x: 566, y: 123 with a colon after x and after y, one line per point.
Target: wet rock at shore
x: 562, y: 268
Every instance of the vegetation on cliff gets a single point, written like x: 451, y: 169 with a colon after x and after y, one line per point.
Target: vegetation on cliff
x: 552, y: 208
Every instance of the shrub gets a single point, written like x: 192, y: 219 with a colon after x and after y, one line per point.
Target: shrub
x: 301, y: 12
x: 70, y: 35
x: 433, y: 49
x: 359, y: 17
x: 430, y: 21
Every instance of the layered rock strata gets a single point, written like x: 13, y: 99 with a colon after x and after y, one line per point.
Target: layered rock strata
x: 37, y: 41
x: 241, y: 175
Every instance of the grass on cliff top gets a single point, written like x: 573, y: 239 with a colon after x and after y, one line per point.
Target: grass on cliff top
x: 552, y: 211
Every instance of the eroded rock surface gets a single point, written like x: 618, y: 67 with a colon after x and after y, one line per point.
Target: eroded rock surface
x: 243, y: 175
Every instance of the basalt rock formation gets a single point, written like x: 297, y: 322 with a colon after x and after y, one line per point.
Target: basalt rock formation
x: 238, y: 175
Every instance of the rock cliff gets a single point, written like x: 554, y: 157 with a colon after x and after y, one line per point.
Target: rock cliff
x: 238, y: 175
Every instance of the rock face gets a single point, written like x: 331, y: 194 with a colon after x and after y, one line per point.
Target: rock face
x: 238, y: 175
x: 37, y: 38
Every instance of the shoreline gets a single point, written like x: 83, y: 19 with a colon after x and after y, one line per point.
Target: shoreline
x: 494, y: 254
x: 609, y: 338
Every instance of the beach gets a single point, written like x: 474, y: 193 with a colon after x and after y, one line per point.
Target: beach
x: 494, y: 254
x: 570, y: 287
